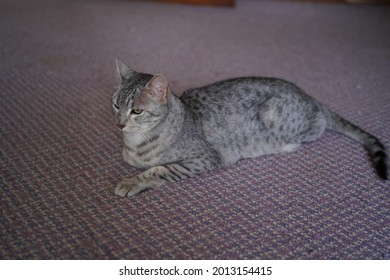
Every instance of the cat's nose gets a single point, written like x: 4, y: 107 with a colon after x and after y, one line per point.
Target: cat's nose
x: 120, y: 125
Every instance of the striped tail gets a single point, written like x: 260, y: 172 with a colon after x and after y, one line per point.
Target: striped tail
x: 374, y: 147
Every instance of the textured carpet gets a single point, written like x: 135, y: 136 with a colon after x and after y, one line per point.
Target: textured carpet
x: 61, y: 153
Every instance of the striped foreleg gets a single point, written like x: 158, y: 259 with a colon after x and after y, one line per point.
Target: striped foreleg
x: 159, y: 175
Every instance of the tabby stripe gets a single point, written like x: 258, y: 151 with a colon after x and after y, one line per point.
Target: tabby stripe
x: 163, y: 178
x: 378, y: 147
x: 154, y: 138
x: 170, y: 175
x: 130, y: 149
x: 175, y: 173
x: 184, y: 167
x: 173, y: 177
x: 175, y: 170
x: 379, y: 155
x: 184, y: 173
x: 152, y: 148
x: 153, y: 156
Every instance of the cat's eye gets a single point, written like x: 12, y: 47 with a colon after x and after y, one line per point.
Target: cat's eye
x: 116, y: 106
x: 136, y: 111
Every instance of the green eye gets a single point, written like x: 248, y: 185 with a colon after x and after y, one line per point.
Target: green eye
x: 136, y: 111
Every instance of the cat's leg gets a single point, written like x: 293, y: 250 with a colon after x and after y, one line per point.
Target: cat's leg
x: 159, y: 175
x: 309, y: 132
x: 294, y: 121
x: 313, y: 128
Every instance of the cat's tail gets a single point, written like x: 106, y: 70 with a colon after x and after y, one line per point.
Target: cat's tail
x: 374, y: 147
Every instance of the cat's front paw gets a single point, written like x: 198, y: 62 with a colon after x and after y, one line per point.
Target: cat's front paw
x: 127, y: 187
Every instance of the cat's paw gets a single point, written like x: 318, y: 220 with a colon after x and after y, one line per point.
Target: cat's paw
x: 127, y: 187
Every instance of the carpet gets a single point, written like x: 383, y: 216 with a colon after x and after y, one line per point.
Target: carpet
x: 61, y: 153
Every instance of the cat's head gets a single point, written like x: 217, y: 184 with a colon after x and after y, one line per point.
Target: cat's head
x: 140, y: 101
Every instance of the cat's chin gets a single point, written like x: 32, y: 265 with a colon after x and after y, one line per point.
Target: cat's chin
x: 127, y: 131
x: 133, y: 137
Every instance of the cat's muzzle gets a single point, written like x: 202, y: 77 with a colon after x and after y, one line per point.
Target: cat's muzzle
x: 120, y: 125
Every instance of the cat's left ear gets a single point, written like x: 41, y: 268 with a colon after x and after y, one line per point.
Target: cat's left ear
x: 123, y: 71
x: 158, y: 87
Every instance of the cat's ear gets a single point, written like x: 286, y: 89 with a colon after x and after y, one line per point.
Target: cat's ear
x: 123, y: 71
x: 158, y: 87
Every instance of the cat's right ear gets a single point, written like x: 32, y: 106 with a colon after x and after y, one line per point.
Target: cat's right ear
x: 123, y: 71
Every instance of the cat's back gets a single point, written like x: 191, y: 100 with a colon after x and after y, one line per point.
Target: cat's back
x: 232, y: 114
x: 235, y: 95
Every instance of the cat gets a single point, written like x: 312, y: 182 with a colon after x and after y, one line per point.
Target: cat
x: 174, y: 138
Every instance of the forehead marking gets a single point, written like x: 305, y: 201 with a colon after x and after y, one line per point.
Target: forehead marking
x: 129, y: 87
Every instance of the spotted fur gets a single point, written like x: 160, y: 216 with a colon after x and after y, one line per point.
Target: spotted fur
x: 214, y: 126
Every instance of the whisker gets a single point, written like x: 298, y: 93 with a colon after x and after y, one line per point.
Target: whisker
x: 147, y: 140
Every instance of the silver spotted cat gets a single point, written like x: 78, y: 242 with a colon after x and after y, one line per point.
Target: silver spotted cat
x: 173, y: 138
